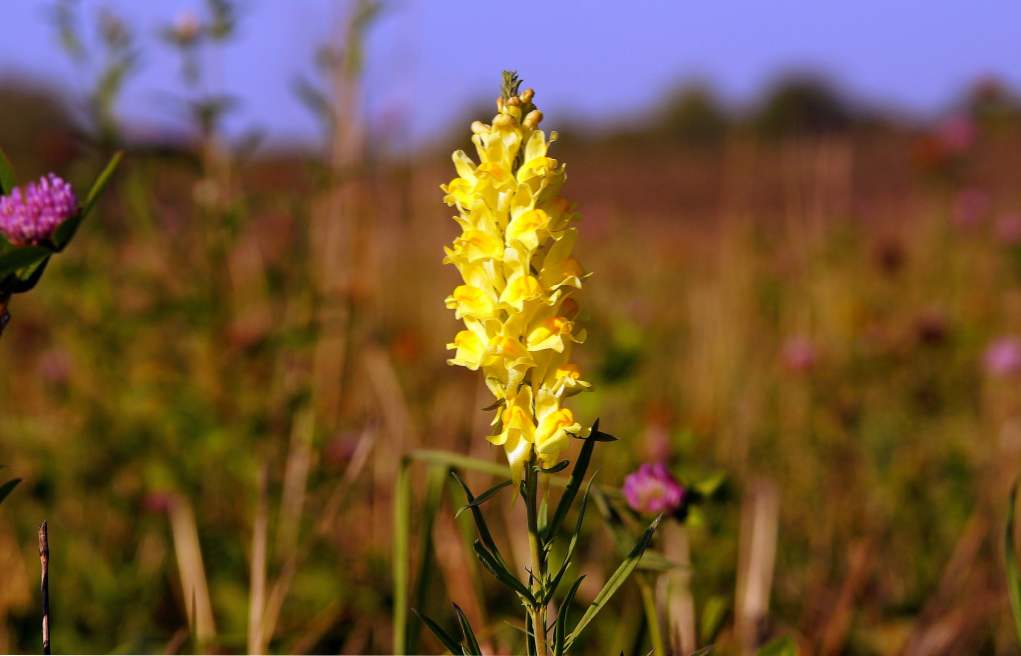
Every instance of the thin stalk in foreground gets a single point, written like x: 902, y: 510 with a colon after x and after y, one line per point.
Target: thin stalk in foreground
x: 538, y: 611
x: 651, y: 615
x: 44, y: 582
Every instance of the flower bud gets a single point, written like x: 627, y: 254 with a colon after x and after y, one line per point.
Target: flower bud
x: 503, y: 121
x: 527, y: 95
x: 533, y: 119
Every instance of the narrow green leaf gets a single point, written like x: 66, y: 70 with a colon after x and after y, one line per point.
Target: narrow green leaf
x: 615, y: 581
x: 100, y: 184
x: 452, y: 459
x: 471, y: 644
x: 441, y: 634
x: 782, y: 646
x: 7, y: 488
x: 437, y: 476
x: 1013, y: 576
x: 6, y: 174
x: 66, y: 231
x: 555, y: 581
x: 401, y: 564
x: 555, y: 469
x: 25, y: 278
x: 573, y: 485
x: 19, y: 258
x: 560, y: 629
x: 708, y: 486
x: 482, y: 498
x: 714, y: 613
x: 480, y: 521
x: 500, y: 571
x: 595, y: 435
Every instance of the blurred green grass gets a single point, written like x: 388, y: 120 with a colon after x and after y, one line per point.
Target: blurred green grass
x: 808, y: 310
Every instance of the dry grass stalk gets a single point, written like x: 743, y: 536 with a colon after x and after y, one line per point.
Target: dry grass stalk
x: 192, y: 571
x: 675, y: 590
x: 759, y: 527
x: 257, y: 585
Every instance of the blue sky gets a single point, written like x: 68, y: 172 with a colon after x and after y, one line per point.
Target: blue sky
x: 429, y: 60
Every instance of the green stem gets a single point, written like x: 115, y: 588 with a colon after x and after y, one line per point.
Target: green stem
x: 537, y: 612
x: 651, y: 615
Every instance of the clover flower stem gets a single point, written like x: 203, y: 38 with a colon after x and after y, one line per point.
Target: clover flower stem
x: 538, y: 612
x: 651, y: 615
x: 5, y: 316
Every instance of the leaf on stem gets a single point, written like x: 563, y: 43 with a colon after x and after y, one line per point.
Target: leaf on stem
x: 62, y: 237
x: 441, y: 634
x: 555, y: 581
x: 480, y: 522
x: 500, y: 571
x: 615, y: 581
x: 560, y: 628
x: 482, y: 498
x: 471, y: 644
x: 573, y: 485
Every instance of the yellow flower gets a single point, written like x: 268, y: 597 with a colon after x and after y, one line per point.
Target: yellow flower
x: 519, y: 296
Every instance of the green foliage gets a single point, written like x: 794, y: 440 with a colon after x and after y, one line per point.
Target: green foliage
x: 7, y: 488
x: 1013, y: 572
x: 782, y: 646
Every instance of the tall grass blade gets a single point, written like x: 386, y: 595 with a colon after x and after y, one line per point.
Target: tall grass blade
x: 402, y: 520
x: 434, y: 493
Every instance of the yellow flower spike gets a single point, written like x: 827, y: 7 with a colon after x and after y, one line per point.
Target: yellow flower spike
x: 520, y: 279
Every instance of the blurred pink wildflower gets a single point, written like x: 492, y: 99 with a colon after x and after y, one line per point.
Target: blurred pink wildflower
x: 971, y: 207
x: 1002, y: 357
x: 31, y: 215
x: 1008, y: 228
x: 799, y: 354
x: 653, y: 490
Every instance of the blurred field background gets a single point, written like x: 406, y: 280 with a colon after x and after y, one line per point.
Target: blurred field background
x: 209, y: 395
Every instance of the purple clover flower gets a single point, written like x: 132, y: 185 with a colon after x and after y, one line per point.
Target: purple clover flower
x: 29, y: 217
x: 799, y: 353
x: 1003, y: 357
x: 653, y: 490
